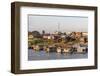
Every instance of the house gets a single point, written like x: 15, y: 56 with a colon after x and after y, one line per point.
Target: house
x: 30, y: 36
x: 84, y: 34
x: 72, y: 35
x: 78, y: 34
x: 83, y: 40
x: 80, y: 47
x: 63, y: 36
x: 48, y: 36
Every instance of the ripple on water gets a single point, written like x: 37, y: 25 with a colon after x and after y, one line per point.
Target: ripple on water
x: 42, y: 55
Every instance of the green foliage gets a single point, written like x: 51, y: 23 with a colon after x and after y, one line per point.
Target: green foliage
x: 36, y: 41
x: 36, y: 34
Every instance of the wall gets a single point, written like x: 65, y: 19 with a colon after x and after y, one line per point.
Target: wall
x: 5, y: 33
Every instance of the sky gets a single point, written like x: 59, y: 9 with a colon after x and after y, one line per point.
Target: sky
x: 52, y: 24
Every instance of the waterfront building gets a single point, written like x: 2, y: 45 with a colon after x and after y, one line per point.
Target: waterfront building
x: 36, y: 48
x: 30, y: 36
x: 85, y: 34
x: 48, y: 49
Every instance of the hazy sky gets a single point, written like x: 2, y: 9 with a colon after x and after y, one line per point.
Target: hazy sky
x: 54, y: 23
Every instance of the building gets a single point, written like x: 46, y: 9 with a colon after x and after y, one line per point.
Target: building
x: 30, y: 36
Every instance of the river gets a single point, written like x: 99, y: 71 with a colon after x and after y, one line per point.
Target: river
x: 42, y: 55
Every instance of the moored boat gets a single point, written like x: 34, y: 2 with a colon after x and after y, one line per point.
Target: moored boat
x: 58, y: 50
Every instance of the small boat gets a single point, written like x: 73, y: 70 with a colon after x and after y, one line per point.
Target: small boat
x: 58, y: 50
x: 47, y: 49
x: 44, y: 48
x: 66, y: 50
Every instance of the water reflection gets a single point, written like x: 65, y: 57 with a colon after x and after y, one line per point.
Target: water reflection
x: 42, y: 55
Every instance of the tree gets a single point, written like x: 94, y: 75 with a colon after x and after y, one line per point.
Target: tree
x: 43, y: 32
x: 64, y: 33
x: 36, y: 34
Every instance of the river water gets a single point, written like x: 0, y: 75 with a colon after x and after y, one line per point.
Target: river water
x: 42, y: 55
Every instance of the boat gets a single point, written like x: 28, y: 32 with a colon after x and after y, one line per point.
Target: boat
x: 66, y: 50
x: 58, y: 50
